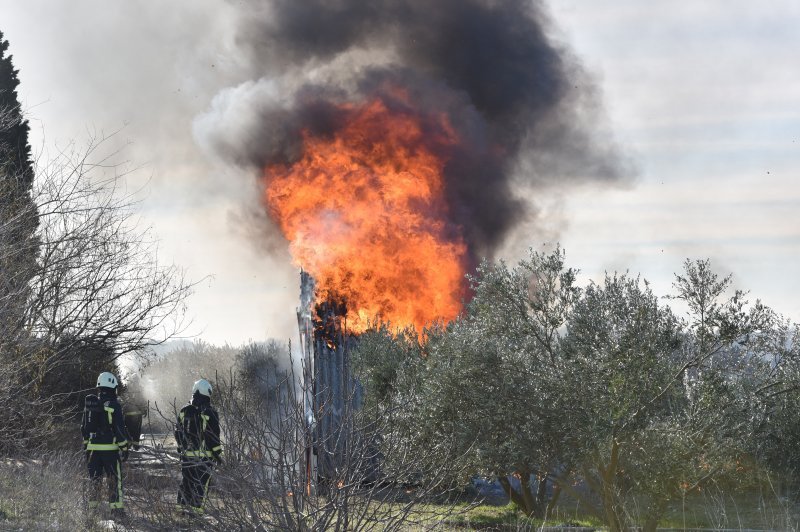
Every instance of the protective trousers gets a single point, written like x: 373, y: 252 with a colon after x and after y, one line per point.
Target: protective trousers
x: 106, y: 463
x: 196, y: 474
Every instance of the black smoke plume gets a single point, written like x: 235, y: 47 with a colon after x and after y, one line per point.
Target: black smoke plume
x: 526, y: 111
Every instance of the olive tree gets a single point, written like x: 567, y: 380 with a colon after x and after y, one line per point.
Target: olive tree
x: 668, y: 405
x: 777, y: 442
x: 484, y: 381
x: 741, y: 374
x: 618, y: 365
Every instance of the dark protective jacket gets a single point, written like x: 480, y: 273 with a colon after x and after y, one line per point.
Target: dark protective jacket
x: 197, y: 430
x: 103, y: 423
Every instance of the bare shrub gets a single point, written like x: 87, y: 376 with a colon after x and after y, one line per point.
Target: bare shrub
x: 272, y: 478
x: 95, y: 292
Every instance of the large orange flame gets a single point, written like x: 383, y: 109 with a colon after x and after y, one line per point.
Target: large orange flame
x: 364, y: 212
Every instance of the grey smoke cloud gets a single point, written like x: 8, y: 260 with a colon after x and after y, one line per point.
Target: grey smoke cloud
x: 527, y: 114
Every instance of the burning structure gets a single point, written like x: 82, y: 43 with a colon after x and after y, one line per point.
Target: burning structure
x: 396, y: 143
x: 330, y: 392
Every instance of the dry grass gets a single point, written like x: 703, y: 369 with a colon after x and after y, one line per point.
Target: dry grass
x: 44, y: 494
x: 47, y: 494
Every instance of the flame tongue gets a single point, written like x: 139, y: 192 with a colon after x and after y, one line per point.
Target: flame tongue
x: 364, y: 211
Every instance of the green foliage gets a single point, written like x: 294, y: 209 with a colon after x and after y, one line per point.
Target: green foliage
x: 620, y: 347
x: 715, y: 319
x: 485, y: 516
x: 18, y: 212
x: 15, y: 152
x: 602, y: 390
x: 480, y: 382
x: 777, y: 438
x: 382, y: 357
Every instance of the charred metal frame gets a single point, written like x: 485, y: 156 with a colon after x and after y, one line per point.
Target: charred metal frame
x: 328, y: 387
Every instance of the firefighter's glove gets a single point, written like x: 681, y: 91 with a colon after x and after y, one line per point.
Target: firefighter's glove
x: 218, y: 459
x: 123, y: 455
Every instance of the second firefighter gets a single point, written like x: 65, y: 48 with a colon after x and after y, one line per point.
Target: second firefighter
x: 197, y: 436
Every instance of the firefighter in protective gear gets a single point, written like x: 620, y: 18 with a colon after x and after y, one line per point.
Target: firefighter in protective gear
x: 197, y: 436
x: 105, y: 440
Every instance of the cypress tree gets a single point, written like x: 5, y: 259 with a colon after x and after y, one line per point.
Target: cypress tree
x: 15, y: 152
x: 18, y: 213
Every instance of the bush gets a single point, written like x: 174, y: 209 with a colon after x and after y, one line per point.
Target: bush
x: 44, y: 494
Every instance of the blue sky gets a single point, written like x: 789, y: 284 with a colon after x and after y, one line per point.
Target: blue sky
x: 703, y: 97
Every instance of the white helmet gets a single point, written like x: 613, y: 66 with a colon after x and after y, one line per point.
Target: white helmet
x: 107, y: 380
x: 203, y: 387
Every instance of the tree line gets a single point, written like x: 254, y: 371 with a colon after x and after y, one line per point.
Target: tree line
x: 602, y: 391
